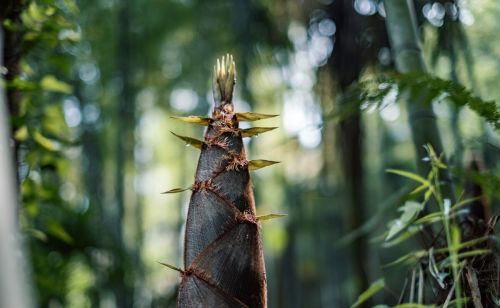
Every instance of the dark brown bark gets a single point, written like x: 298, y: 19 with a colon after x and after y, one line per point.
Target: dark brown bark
x: 125, y: 123
x: 12, y: 52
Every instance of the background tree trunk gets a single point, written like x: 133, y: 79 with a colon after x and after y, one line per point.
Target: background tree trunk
x: 14, y: 290
x: 406, y: 47
x: 11, y: 10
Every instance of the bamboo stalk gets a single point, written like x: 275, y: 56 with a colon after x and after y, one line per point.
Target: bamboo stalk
x: 405, y: 42
x: 14, y: 290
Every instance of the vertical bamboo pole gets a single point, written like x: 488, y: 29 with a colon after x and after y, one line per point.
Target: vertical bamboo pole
x: 14, y: 291
x: 405, y: 42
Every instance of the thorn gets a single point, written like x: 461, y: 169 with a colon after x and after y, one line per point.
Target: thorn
x: 194, y: 119
x: 260, y: 163
x: 251, y: 116
x: 175, y: 190
x: 190, y: 141
x: 254, y: 131
x: 270, y: 216
x: 175, y: 268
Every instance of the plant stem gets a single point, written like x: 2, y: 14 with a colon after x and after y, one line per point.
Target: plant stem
x: 447, y: 229
x: 14, y: 288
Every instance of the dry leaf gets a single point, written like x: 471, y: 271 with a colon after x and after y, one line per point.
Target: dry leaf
x: 250, y: 116
x: 190, y: 141
x: 260, y: 163
x: 253, y: 131
x: 194, y: 119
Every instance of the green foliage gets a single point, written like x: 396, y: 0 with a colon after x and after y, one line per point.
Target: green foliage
x: 439, y: 89
x: 375, y: 92
x: 372, y: 290
x: 410, y: 210
x: 47, y: 31
x: 444, y: 261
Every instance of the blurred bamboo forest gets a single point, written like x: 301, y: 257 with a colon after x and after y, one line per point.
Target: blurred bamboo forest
x: 90, y: 89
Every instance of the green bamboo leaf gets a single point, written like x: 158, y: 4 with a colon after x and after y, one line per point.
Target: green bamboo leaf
x: 193, y: 119
x: 472, y: 253
x: 418, y: 189
x: 430, y: 218
x: 251, y: 116
x: 37, y: 234
x: 46, y: 143
x: 410, y: 257
x: 410, y: 175
x: 190, y: 141
x: 175, y: 268
x: 56, y: 230
x: 270, y: 216
x: 463, y: 255
x: 260, y: 163
x: 413, y: 305
x: 464, y: 202
x: 50, y: 83
x: 410, y: 210
x: 253, y: 131
x: 372, y: 290
x: 176, y: 190
x: 463, y: 245
x: 403, y: 236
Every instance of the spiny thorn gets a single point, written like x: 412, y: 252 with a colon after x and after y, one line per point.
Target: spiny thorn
x: 175, y: 268
x: 270, y: 216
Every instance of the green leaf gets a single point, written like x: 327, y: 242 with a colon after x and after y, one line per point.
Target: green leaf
x: 37, y: 234
x: 21, y: 133
x: 251, y: 116
x: 410, y: 175
x: 260, y: 163
x: 463, y: 255
x: 193, y: 119
x: 430, y: 218
x: 46, y: 143
x: 372, y: 290
x: 253, y: 131
x: 403, y: 236
x: 418, y: 189
x: 55, y: 229
x: 270, y: 216
x: 69, y: 35
x: 50, y: 83
x: 410, y: 210
x: 190, y: 141
x: 176, y: 190
x: 410, y: 257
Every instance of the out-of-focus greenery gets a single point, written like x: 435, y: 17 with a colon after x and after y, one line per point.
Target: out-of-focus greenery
x: 101, y: 79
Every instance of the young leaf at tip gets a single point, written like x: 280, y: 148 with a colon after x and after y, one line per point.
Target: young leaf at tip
x: 190, y: 141
x: 193, y: 119
x: 260, y: 163
x: 254, y: 131
x: 251, y: 116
